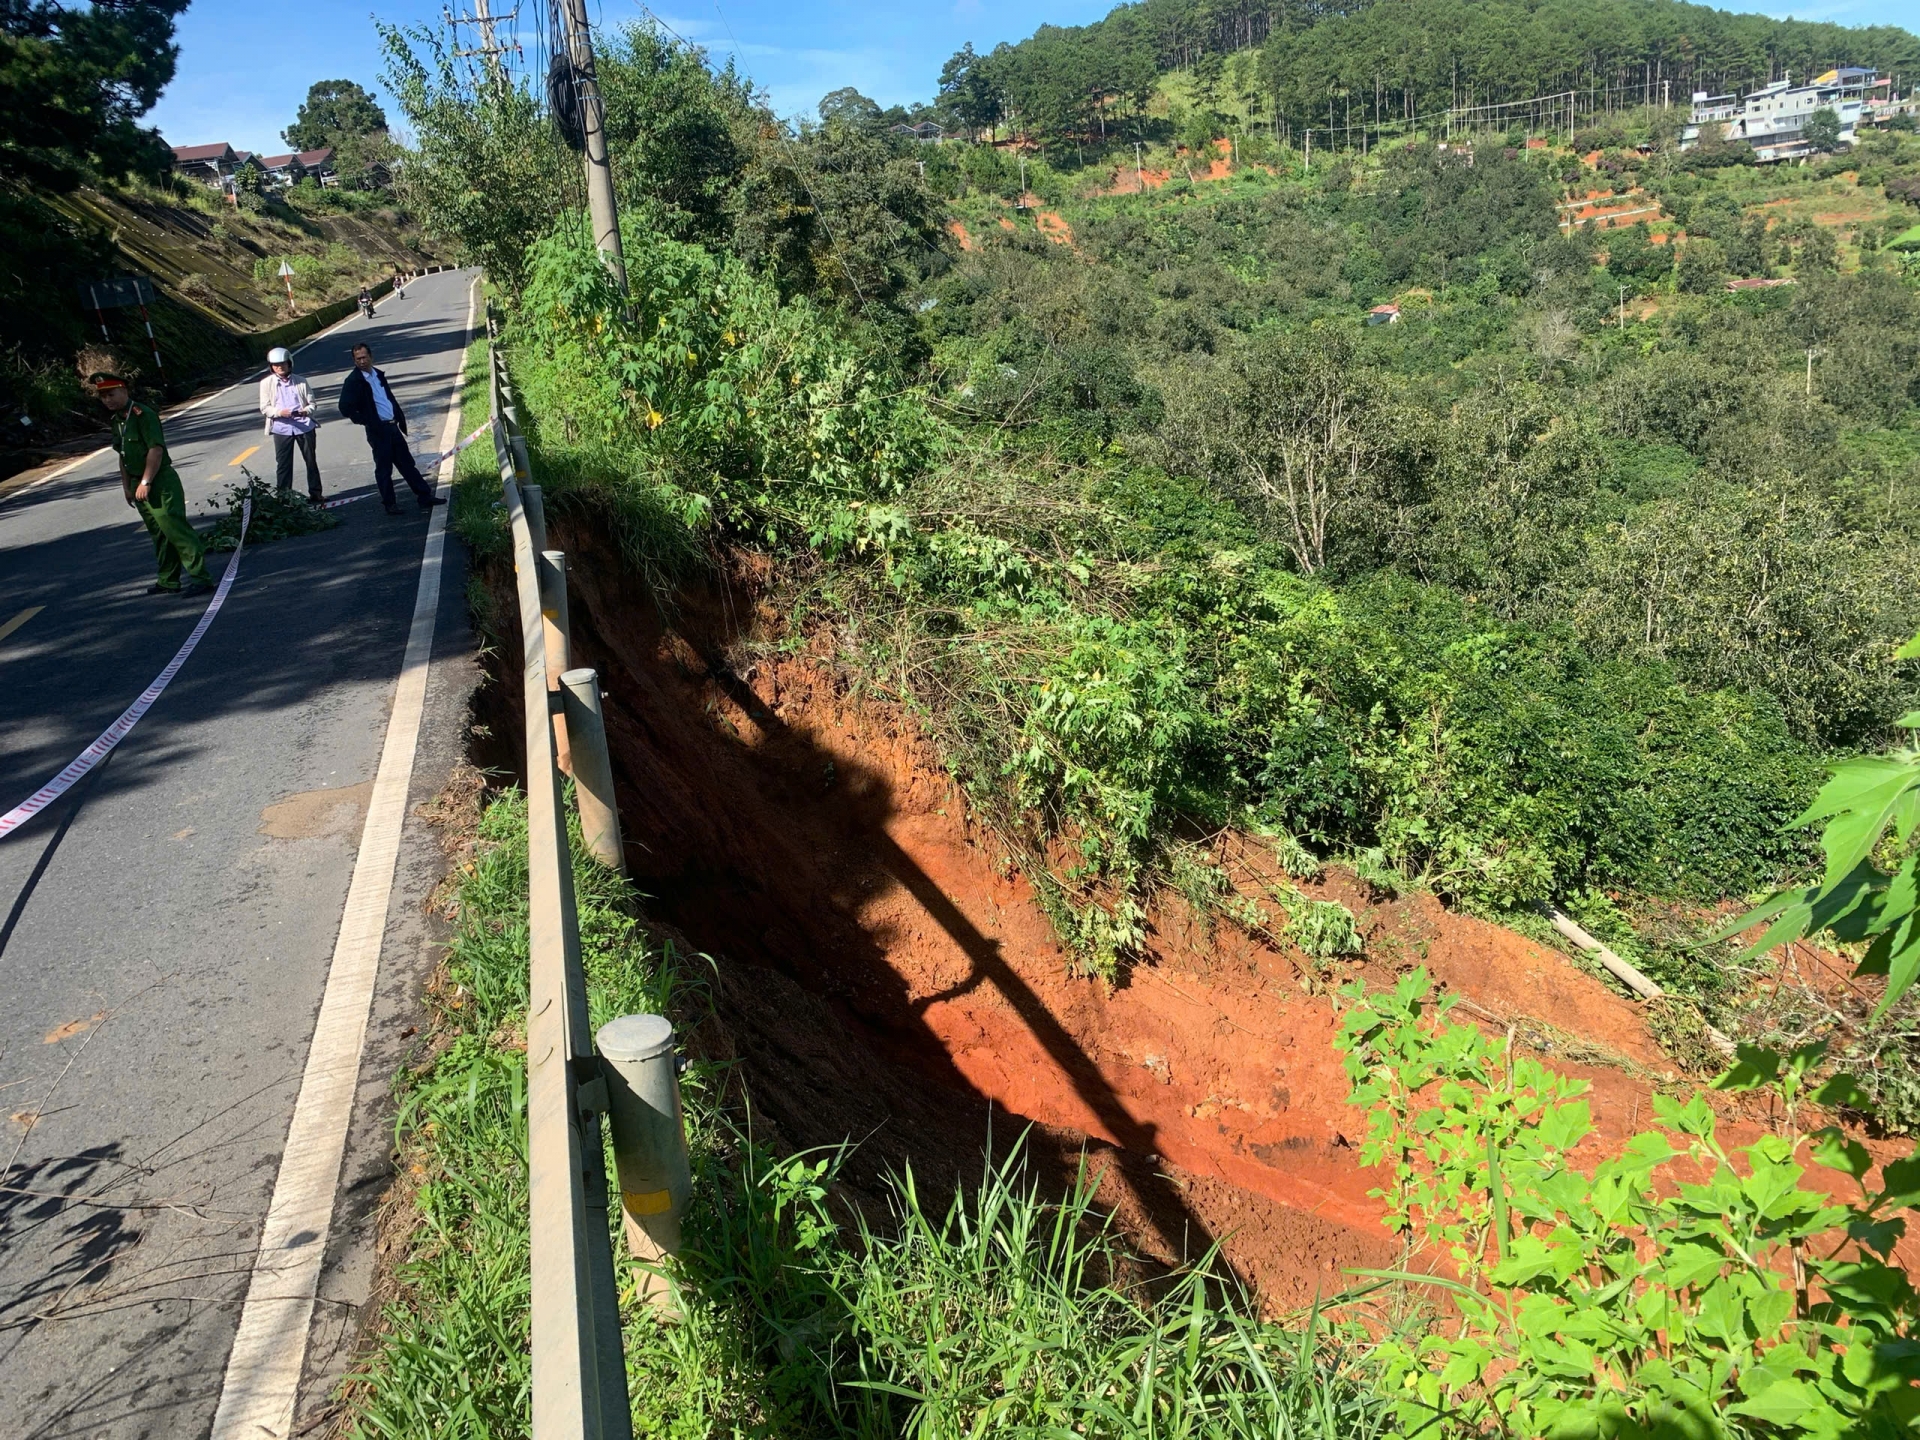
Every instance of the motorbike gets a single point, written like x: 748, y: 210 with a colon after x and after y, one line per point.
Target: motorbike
x: 366, y: 307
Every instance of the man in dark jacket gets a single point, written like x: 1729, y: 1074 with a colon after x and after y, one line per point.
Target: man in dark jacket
x: 367, y: 401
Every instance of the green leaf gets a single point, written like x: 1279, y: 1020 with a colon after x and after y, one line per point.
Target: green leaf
x: 1879, y: 1236
x: 1834, y: 1150
x: 1900, y: 1182
x: 1843, y: 1092
x: 1754, y: 1067
x: 1769, y: 1310
x: 1647, y: 1150
x: 1896, y: 954
x: 1860, y: 798
x: 1693, y: 1118
x: 1564, y: 1126
x: 1786, y: 1401
x: 1691, y: 1263
x: 1723, y: 1313
x: 1764, y: 911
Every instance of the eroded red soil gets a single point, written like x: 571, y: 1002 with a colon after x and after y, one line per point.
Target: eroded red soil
x: 885, y: 974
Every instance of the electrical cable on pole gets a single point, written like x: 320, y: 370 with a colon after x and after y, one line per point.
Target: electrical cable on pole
x: 592, y: 119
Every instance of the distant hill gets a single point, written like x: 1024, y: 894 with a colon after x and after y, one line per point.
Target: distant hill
x: 1375, y: 60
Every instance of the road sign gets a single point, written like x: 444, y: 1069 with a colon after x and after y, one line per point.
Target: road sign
x: 286, y: 270
x: 114, y: 294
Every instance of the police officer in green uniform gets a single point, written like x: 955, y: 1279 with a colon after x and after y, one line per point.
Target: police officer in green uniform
x: 152, y: 486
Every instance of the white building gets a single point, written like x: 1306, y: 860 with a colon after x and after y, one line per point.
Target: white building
x: 1774, y: 120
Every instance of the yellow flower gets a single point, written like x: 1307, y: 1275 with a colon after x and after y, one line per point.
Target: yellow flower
x: 654, y: 417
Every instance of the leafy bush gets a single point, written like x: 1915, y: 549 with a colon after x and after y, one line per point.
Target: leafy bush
x: 758, y: 411
x: 1680, y: 1289
x: 1872, y: 809
x: 277, y: 515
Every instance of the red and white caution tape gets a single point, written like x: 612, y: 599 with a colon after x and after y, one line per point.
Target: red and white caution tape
x: 427, y: 463
x: 445, y: 455
x: 119, y: 729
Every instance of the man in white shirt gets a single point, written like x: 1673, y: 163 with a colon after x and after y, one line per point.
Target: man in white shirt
x: 368, y: 401
x: 286, y: 400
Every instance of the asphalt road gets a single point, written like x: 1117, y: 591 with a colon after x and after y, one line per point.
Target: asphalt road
x: 166, y: 927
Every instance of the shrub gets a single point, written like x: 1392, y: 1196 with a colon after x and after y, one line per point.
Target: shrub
x: 759, y: 412
x: 1680, y: 1289
x: 1703, y: 266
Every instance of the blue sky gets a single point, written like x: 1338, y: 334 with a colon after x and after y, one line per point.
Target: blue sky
x: 244, y: 68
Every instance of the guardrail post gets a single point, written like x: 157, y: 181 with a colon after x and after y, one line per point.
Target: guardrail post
x: 592, y: 766
x: 552, y: 568
x: 649, y: 1144
x: 536, y: 512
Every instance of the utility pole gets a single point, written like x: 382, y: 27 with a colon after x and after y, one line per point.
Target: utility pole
x: 1139, y: 174
x: 1023, y: 184
x: 1623, y: 309
x: 490, y: 49
x: 593, y: 127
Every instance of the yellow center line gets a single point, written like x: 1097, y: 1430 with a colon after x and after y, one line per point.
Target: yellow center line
x: 243, y: 455
x: 17, y: 621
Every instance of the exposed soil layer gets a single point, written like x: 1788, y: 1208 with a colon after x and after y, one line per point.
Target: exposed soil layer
x: 886, y: 976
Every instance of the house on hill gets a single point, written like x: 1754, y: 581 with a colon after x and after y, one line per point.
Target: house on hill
x: 209, y: 164
x: 1384, y: 315
x: 1773, y: 119
x: 291, y: 168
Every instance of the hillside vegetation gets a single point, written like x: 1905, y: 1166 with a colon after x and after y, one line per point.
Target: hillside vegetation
x: 215, y: 270
x: 1356, y: 68
x: 1123, y: 496
x: 86, y: 195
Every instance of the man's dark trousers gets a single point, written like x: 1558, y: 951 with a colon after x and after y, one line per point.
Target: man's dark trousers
x: 309, y: 447
x: 390, y: 450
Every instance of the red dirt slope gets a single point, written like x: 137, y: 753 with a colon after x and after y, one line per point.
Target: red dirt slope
x: 885, y: 976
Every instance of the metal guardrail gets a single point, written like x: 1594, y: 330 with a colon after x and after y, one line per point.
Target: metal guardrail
x: 579, y: 1369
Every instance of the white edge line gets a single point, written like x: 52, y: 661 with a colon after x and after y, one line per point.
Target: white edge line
x: 262, y: 1380
x: 254, y: 378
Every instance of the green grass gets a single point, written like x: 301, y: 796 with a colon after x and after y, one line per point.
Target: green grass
x: 1000, y: 1313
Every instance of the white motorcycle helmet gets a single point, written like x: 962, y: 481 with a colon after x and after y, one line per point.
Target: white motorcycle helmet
x: 279, y: 356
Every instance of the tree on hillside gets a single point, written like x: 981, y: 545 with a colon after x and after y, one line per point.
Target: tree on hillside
x: 1289, y: 426
x: 73, y: 84
x: 487, y: 168
x: 334, y: 110
x: 847, y: 106
x: 971, y: 88
x: 1823, y: 130
x: 682, y: 134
